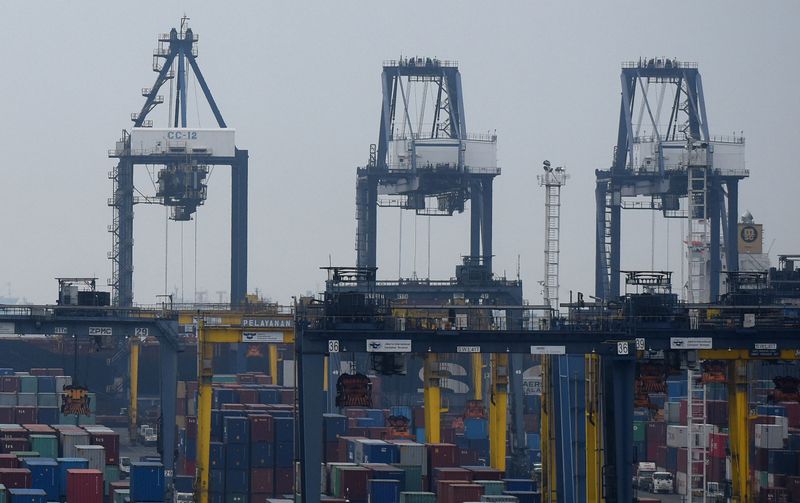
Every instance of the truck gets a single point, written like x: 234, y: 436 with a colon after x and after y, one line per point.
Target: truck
x: 663, y: 482
x: 644, y: 475
x: 147, y: 435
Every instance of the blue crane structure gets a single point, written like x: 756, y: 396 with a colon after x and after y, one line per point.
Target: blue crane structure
x: 664, y: 152
x: 424, y: 154
x: 182, y: 181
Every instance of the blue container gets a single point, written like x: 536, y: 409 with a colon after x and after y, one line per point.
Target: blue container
x: 333, y: 426
x: 535, y: 456
x: 27, y: 496
x: 216, y: 425
x: 284, y: 454
x: 534, y: 441
x: 672, y: 459
x: 524, y: 496
x: 262, y: 455
x: 282, y: 413
x: 782, y: 462
x: 377, y: 415
x: 44, y: 475
x: 217, y: 456
x: 481, y: 446
x: 284, y: 428
x: 236, y: 430
x: 381, y: 453
x: 367, y: 422
x: 461, y: 441
x: 269, y: 396
x: 420, y: 433
x: 402, y: 410
x: 385, y: 491
x: 184, y: 483
x: 771, y: 410
x: 237, y: 457
x: 519, y: 485
x: 237, y: 481
x: 222, y: 396
x: 677, y: 388
x: 47, y: 384
x: 6, y: 371
x: 65, y: 464
x: 147, y: 481
x: 476, y: 428
x: 216, y: 481
x: 190, y: 450
x: 48, y: 415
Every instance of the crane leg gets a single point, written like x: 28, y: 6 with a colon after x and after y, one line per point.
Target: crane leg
x: 133, y: 408
x: 498, y: 412
x: 272, y: 350
x: 593, y: 430
x: 547, y: 434
x: 433, y: 400
x: 740, y: 443
x: 205, y: 352
x: 477, y: 376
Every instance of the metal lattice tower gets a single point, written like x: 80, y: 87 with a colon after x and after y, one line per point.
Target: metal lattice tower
x: 552, y: 180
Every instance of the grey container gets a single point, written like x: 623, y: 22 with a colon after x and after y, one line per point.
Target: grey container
x: 62, y: 381
x: 8, y: 399
x: 70, y: 439
x: 96, y: 454
x: 28, y: 384
x: 47, y: 400
x: 26, y: 399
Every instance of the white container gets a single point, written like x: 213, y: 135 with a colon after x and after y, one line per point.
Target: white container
x: 96, y: 454
x: 8, y: 399
x: 676, y: 435
x: 412, y: 453
x: 69, y: 440
x: 769, y: 436
x: 62, y: 381
x: 26, y: 399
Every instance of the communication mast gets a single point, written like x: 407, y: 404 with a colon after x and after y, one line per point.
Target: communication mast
x: 552, y: 180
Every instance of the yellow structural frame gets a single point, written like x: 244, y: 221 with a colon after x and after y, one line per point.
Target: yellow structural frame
x: 477, y: 376
x: 594, y: 429
x: 207, y: 336
x: 547, y: 435
x: 498, y: 412
x: 133, y: 407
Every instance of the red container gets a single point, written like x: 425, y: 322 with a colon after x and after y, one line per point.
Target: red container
x: 39, y: 429
x: 460, y: 493
x: 110, y: 441
x: 232, y: 406
x: 38, y: 372
x: 261, y: 480
x: 9, y: 461
x: 287, y: 395
x: 380, y: 433
x: 442, y: 455
x: 656, y: 436
x: 353, y: 482
x: 13, y: 431
x: 448, y: 436
x: 452, y: 473
x: 7, y: 415
x: 84, y: 486
x: 442, y: 489
x: 16, y: 478
x: 333, y: 454
x: 792, y: 413
x: 719, y: 442
x: 261, y: 428
x: 284, y: 480
x: 9, y: 384
x: 467, y: 457
x: 248, y: 396
x: 661, y: 457
x: 793, y: 486
x: 14, y: 444
x: 25, y: 415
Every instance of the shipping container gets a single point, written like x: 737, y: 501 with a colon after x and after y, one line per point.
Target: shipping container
x: 44, y: 475
x: 84, y: 486
x: 147, y: 481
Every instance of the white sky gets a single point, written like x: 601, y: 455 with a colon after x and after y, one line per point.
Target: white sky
x: 300, y: 82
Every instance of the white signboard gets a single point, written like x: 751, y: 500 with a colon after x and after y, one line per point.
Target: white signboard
x: 100, y: 331
x: 158, y: 141
x: 532, y: 386
x: 262, y: 336
x: 388, y: 346
x: 6, y: 328
x: 268, y: 322
x: 691, y: 343
x: 548, y: 350
x: 468, y: 349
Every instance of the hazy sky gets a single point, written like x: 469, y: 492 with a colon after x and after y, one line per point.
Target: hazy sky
x: 300, y: 82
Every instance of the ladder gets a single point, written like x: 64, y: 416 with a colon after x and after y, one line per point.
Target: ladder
x: 698, y: 235
x: 697, y: 437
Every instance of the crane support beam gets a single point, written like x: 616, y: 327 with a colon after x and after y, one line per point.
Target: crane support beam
x: 738, y: 411
x: 498, y: 412
x: 477, y: 376
x: 594, y: 430
x: 547, y: 434
x: 433, y: 400
x: 133, y: 407
x: 205, y: 374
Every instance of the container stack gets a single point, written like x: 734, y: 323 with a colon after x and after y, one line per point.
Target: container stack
x: 776, y: 451
x: 33, y: 397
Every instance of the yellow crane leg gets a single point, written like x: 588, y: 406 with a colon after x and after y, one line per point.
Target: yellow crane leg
x: 477, y: 376
x: 272, y: 350
x: 593, y: 431
x: 205, y: 352
x: 547, y: 435
x: 433, y: 400
x: 325, y: 372
x: 498, y: 412
x: 738, y: 412
x: 133, y: 407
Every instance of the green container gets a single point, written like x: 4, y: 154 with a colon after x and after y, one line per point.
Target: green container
x: 492, y: 487
x: 47, y: 400
x: 417, y: 497
x: 3, y: 494
x: 223, y: 379
x: 25, y: 454
x: 111, y: 473
x: 45, y: 445
x: 28, y: 384
x: 122, y: 495
x: 413, y: 477
x: 639, y: 430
